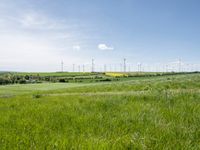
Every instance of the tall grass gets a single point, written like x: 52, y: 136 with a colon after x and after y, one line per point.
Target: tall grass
x: 165, y: 116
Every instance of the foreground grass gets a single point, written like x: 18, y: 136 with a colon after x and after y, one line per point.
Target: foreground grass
x: 161, y: 113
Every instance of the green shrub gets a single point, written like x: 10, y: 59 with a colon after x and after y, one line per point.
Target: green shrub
x: 62, y: 80
x: 22, y: 81
x: 37, y: 96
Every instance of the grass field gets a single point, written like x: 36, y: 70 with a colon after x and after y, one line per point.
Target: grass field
x: 160, y: 112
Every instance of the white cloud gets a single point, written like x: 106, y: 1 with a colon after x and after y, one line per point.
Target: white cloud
x: 76, y: 47
x: 34, y: 20
x: 105, y: 47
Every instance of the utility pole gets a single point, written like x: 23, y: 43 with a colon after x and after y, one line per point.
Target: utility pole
x: 124, y: 64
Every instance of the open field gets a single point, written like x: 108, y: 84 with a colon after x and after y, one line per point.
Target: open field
x: 158, y: 112
x: 76, y: 77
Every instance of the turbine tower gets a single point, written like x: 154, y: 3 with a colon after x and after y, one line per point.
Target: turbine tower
x: 105, y: 68
x: 139, y: 67
x: 124, y: 64
x: 92, y: 65
x: 73, y: 67
x: 179, y: 65
x: 62, y: 64
x: 83, y: 68
x: 79, y: 68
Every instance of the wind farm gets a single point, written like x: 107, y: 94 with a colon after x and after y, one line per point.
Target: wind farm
x: 98, y: 75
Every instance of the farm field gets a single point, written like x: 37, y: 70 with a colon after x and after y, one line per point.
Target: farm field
x: 155, y: 112
x: 75, y: 77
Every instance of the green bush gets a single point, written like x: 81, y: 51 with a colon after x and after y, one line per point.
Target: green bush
x: 62, y: 80
x: 37, y: 96
x: 22, y: 81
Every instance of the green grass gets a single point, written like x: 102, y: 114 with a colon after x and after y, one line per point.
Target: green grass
x: 138, y: 113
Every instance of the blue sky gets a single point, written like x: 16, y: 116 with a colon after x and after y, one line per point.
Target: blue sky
x: 37, y: 35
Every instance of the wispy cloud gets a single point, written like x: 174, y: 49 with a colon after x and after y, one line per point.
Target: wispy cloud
x: 105, y: 47
x: 42, y: 37
x: 33, y: 38
x: 76, y: 47
x: 35, y: 20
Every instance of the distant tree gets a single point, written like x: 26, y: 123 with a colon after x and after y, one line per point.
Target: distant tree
x: 62, y: 80
x: 22, y: 81
x: 4, y: 81
x: 27, y: 77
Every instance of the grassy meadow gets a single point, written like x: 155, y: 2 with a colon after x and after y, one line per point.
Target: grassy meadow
x: 155, y: 112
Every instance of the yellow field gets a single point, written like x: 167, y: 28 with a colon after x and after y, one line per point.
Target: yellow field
x: 111, y: 74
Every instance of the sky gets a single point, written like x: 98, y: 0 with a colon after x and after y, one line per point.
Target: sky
x: 36, y: 35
